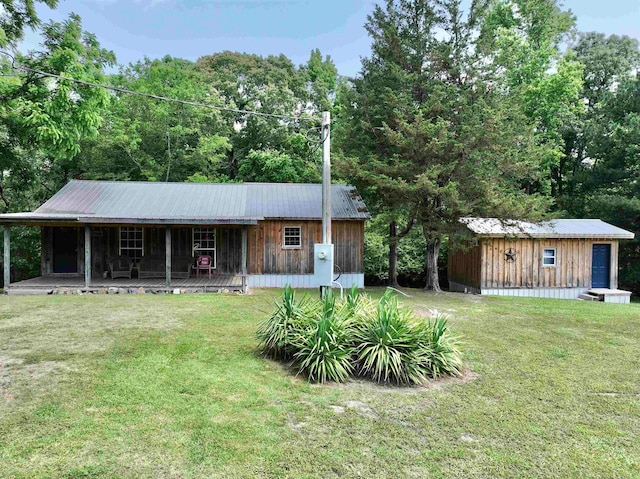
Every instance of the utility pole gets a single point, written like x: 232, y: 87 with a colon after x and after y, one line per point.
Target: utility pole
x: 326, y: 177
x: 324, y: 255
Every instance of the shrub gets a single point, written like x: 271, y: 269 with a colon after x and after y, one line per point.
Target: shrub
x: 280, y: 331
x: 330, y: 341
x: 324, y: 353
x: 439, y: 349
x: 388, y: 345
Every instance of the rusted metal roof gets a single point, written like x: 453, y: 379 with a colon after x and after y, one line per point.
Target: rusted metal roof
x: 560, y: 228
x: 191, y: 203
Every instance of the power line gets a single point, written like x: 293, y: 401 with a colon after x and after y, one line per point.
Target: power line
x: 157, y: 97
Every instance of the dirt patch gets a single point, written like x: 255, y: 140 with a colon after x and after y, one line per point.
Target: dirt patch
x: 467, y: 376
x: 362, y: 408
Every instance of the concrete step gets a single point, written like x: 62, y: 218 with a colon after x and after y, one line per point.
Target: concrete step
x: 589, y: 297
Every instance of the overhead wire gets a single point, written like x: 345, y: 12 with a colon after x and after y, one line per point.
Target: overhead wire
x: 116, y: 89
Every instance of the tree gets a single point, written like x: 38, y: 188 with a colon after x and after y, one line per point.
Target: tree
x: 43, y: 119
x: 608, y: 62
x: 271, y: 85
x: 434, y: 127
x: 154, y: 140
x: 15, y: 16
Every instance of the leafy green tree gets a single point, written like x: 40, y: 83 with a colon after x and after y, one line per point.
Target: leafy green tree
x: 273, y: 166
x: 43, y: 119
x: 154, y: 140
x: 15, y: 16
x: 433, y: 127
x: 322, y: 77
x: 271, y: 85
x: 523, y: 37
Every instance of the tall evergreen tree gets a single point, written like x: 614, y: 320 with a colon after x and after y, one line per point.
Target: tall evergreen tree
x: 435, y: 128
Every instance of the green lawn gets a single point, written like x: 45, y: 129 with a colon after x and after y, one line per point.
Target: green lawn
x: 171, y: 386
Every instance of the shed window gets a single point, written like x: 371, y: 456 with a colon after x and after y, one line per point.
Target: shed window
x: 204, y: 243
x: 549, y: 257
x: 132, y: 242
x: 292, y: 237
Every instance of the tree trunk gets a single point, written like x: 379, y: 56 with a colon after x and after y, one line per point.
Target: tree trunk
x: 433, y: 249
x: 393, y: 254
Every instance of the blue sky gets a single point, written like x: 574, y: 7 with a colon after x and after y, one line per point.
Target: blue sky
x: 192, y: 28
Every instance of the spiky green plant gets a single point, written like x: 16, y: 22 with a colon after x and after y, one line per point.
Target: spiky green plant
x: 323, y: 353
x: 353, y: 300
x: 279, y: 333
x: 439, y: 349
x: 388, y: 345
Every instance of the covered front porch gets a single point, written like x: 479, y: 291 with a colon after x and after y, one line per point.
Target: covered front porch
x: 92, y: 257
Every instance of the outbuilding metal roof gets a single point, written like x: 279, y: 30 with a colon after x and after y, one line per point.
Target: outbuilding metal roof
x: 191, y: 203
x: 561, y: 228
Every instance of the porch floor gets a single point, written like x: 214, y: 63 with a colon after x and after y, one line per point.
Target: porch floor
x: 227, y: 281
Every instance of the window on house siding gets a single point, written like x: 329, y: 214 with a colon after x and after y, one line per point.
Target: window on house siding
x: 549, y: 257
x: 204, y: 243
x: 292, y: 237
x: 132, y: 242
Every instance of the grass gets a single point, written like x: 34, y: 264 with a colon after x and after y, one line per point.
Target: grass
x: 171, y: 386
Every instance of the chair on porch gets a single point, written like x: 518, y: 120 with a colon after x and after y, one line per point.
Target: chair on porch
x: 204, y: 263
x: 120, y: 267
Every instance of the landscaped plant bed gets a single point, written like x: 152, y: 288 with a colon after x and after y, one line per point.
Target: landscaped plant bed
x: 333, y: 340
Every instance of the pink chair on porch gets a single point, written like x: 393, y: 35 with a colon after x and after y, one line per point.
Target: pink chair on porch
x: 204, y: 263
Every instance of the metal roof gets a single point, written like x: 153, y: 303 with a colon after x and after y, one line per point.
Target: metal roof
x: 560, y: 228
x: 191, y: 203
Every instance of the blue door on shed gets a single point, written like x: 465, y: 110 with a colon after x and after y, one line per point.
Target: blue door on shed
x: 601, y: 259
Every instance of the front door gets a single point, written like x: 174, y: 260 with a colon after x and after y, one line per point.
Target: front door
x: 600, y: 263
x: 65, y: 250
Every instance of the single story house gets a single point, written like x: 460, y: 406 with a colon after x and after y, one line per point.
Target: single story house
x: 564, y: 258
x: 130, y: 234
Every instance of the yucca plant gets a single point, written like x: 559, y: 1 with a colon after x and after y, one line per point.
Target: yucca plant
x: 388, y: 345
x: 279, y: 332
x: 439, y: 353
x: 323, y: 352
x: 353, y: 300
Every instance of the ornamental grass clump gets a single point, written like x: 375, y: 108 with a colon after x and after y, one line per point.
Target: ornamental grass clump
x: 332, y: 341
x: 388, y: 347
x: 324, y: 353
x: 441, y: 355
x: 280, y: 332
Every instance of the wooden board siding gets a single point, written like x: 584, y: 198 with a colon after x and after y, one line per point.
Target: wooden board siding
x: 465, y: 265
x: 572, y: 270
x: 348, y: 238
x: 267, y: 256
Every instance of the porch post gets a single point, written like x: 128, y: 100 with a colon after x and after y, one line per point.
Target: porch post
x: 167, y: 261
x: 244, y: 259
x: 7, y: 257
x: 87, y: 256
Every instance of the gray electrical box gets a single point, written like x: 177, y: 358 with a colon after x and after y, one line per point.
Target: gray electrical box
x: 323, y: 264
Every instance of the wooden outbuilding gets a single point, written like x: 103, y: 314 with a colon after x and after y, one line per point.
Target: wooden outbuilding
x: 564, y: 258
x: 97, y: 234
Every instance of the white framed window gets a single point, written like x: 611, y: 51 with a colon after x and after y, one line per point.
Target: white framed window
x: 549, y: 257
x: 204, y: 243
x: 292, y: 237
x: 132, y: 242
